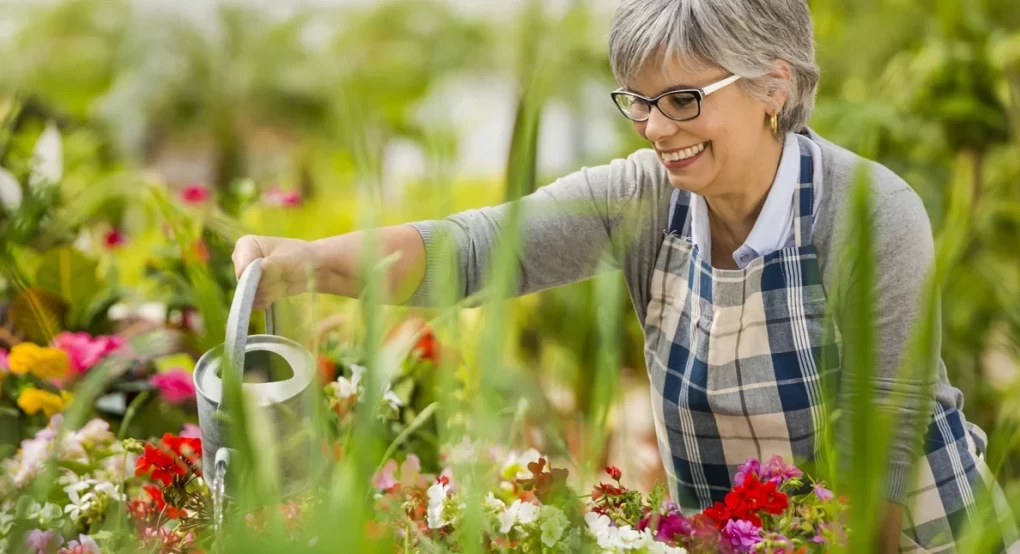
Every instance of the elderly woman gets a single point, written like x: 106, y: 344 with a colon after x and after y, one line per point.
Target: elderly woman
x: 728, y: 229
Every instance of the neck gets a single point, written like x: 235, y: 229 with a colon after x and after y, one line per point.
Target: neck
x: 732, y: 214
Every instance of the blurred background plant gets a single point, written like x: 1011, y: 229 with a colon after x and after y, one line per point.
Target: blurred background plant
x: 139, y: 140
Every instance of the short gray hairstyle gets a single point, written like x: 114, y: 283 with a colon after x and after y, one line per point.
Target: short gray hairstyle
x: 744, y: 37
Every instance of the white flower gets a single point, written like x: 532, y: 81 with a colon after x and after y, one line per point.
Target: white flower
x: 437, y: 498
x: 346, y: 389
x: 599, y: 525
x: 554, y: 523
x: 120, y: 465
x: 462, y: 452
x: 495, y: 504
x: 519, y: 512
x: 10, y: 192
x: 109, y: 490
x: 655, y: 547
x: 94, y: 433
x: 393, y: 399
x: 521, y: 461
x: 47, y: 158
x: 77, y: 505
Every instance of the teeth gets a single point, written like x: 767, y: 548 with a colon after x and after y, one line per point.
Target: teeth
x: 684, y: 154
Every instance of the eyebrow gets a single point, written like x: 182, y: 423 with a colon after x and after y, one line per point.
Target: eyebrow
x: 665, y: 90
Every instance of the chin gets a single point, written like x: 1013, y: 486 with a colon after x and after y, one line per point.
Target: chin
x: 690, y: 185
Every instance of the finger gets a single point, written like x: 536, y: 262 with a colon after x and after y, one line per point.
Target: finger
x: 246, y: 250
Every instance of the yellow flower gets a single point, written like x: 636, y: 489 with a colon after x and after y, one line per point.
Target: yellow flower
x: 42, y: 361
x: 31, y: 400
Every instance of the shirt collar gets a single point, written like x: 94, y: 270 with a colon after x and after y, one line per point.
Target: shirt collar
x: 770, y: 229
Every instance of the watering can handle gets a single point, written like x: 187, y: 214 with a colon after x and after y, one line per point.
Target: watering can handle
x: 240, y: 315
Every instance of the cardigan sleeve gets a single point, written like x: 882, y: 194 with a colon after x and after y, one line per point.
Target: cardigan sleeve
x: 904, y: 258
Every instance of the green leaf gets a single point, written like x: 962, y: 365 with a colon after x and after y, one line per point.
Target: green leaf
x: 67, y: 272
x: 38, y: 314
x: 180, y: 360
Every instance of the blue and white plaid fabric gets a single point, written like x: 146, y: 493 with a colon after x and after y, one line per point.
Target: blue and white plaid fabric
x: 737, y: 361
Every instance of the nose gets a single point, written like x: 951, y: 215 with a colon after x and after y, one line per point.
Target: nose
x: 658, y: 126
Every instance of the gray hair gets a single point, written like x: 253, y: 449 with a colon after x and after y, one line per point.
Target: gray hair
x: 744, y: 37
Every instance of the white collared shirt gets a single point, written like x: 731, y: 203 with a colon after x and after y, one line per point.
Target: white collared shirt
x: 773, y: 230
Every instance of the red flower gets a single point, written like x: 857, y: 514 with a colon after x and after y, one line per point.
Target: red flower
x: 114, y: 238
x: 747, y: 501
x: 173, y: 456
x: 614, y: 472
x: 163, y: 465
x: 327, y: 370
x: 428, y: 346
x: 194, y: 194
x: 171, y: 512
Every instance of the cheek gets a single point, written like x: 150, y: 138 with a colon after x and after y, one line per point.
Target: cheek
x: 639, y: 128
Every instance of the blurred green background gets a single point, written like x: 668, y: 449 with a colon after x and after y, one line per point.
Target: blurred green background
x: 383, y: 112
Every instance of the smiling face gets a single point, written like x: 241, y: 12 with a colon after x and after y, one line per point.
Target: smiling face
x: 714, y: 153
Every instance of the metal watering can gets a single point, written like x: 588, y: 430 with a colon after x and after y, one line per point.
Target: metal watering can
x: 285, y: 404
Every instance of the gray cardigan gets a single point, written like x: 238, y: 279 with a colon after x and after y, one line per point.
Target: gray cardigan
x: 616, y: 213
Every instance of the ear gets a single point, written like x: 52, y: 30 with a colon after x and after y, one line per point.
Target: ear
x: 782, y: 80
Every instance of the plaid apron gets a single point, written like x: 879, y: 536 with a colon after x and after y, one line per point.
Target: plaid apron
x: 737, y: 361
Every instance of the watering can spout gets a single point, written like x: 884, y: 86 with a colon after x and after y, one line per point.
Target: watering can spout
x: 222, y: 459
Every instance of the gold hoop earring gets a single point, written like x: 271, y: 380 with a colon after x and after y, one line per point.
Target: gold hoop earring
x: 774, y: 123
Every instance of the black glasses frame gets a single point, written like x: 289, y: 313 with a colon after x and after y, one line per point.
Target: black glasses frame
x: 699, y: 95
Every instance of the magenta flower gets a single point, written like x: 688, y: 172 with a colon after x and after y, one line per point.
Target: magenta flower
x: 3, y: 359
x: 194, y: 194
x: 823, y: 493
x: 672, y: 527
x: 281, y: 198
x: 40, y: 542
x: 175, y: 385
x: 751, y: 466
x: 742, y: 534
x: 779, y: 472
x: 84, y: 350
x: 84, y: 545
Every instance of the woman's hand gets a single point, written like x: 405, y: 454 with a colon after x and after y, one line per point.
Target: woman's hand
x: 334, y: 264
x: 286, y: 265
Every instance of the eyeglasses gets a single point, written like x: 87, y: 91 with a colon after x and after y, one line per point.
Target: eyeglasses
x: 678, y: 105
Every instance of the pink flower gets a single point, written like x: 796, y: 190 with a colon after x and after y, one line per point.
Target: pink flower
x: 190, y: 431
x: 84, y: 545
x: 750, y: 466
x: 387, y: 477
x: 194, y: 194
x: 175, y: 385
x: 3, y: 359
x: 114, y: 238
x: 40, y: 542
x: 281, y: 198
x: 779, y: 472
x: 742, y: 534
x: 823, y: 493
x: 84, y: 350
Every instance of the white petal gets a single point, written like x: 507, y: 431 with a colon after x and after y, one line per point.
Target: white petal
x: 48, y: 158
x: 10, y: 191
